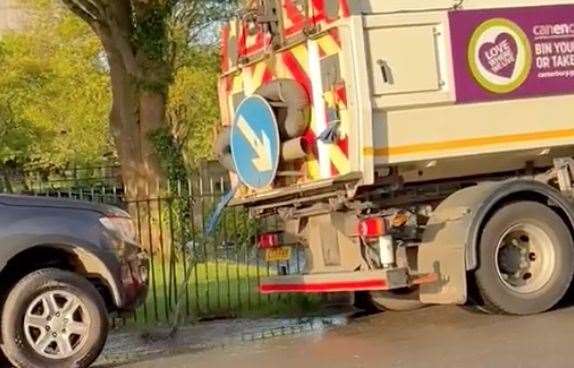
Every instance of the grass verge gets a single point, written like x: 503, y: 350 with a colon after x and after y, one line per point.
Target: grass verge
x: 216, y: 290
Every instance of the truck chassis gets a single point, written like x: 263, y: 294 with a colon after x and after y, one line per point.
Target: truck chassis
x: 430, y: 241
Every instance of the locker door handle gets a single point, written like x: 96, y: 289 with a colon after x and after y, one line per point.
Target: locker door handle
x: 386, y: 72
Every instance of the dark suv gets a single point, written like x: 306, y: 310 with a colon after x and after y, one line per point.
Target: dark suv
x: 64, y: 266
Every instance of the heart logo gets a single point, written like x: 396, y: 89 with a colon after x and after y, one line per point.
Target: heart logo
x: 499, y: 57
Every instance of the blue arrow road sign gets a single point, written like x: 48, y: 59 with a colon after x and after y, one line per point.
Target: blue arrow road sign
x: 255, y: 142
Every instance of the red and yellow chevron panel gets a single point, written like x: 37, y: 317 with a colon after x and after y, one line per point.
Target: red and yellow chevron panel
x: 297, y: 16
x: 302, y: 62
x: 239, y: 40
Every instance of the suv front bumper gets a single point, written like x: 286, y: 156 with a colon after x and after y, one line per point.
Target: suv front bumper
x: 135, y: 280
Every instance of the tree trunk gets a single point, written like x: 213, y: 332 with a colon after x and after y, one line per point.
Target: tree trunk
x: 137, y: 110
x: 135, y: 115
x: 7, y: 183
x: 140, y: 81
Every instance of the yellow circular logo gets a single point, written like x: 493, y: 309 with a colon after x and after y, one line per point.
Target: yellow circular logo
x: 500, y: 55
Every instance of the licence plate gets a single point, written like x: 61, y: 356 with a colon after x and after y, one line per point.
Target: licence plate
x: 278, y: 254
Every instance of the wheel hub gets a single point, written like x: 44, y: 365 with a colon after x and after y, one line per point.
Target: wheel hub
x: 525, y: 258
x: 56, y: 324
x: 511, y: 259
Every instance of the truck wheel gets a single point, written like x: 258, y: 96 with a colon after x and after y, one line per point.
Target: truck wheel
x: 401, y: 300
x: 526, y: 260
x: 53, y: 318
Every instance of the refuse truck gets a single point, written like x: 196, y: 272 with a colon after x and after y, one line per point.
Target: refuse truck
x: 419, y: 152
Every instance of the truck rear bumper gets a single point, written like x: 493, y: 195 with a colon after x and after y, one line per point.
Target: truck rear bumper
x: 344, y: 282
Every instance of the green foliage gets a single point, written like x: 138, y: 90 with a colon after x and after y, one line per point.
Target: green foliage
x: 193, y: 109
x: 195, y: 22
x: 169, y: 154
x: 54, y: 94
x: 150, y: 34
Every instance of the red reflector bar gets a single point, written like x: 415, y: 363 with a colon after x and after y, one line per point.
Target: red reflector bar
x: 372, y: 227
x: 325, y: 287
x: 269, y: 240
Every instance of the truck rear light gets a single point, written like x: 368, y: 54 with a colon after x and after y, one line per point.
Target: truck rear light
x: 269, y: 240
x: 373, y: 227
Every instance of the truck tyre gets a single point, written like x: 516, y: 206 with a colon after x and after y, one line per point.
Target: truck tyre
x: 53, y: 318
x: 396, y: 300
x: 526, y: 260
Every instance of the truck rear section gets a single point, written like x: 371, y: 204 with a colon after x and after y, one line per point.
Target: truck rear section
x: 407, y: 146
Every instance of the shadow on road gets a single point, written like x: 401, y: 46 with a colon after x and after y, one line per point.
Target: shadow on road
x: 568, y: 300
x: 4, y: 363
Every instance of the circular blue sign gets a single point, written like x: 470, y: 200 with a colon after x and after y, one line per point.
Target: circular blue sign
x: 255, y: 144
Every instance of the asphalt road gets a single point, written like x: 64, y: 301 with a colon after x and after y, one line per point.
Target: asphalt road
x: 432, y: 337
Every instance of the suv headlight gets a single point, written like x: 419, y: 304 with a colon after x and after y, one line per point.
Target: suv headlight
x: 123, y: 227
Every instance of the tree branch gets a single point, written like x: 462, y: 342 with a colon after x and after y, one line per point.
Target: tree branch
x: 79, y: 8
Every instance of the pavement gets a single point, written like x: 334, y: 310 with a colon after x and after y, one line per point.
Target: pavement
x: 442, y: 336
x: 137, y: 346
x: 140, y: 345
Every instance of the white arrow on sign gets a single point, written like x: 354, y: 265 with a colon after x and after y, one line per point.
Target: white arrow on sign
x: 262, y: 147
